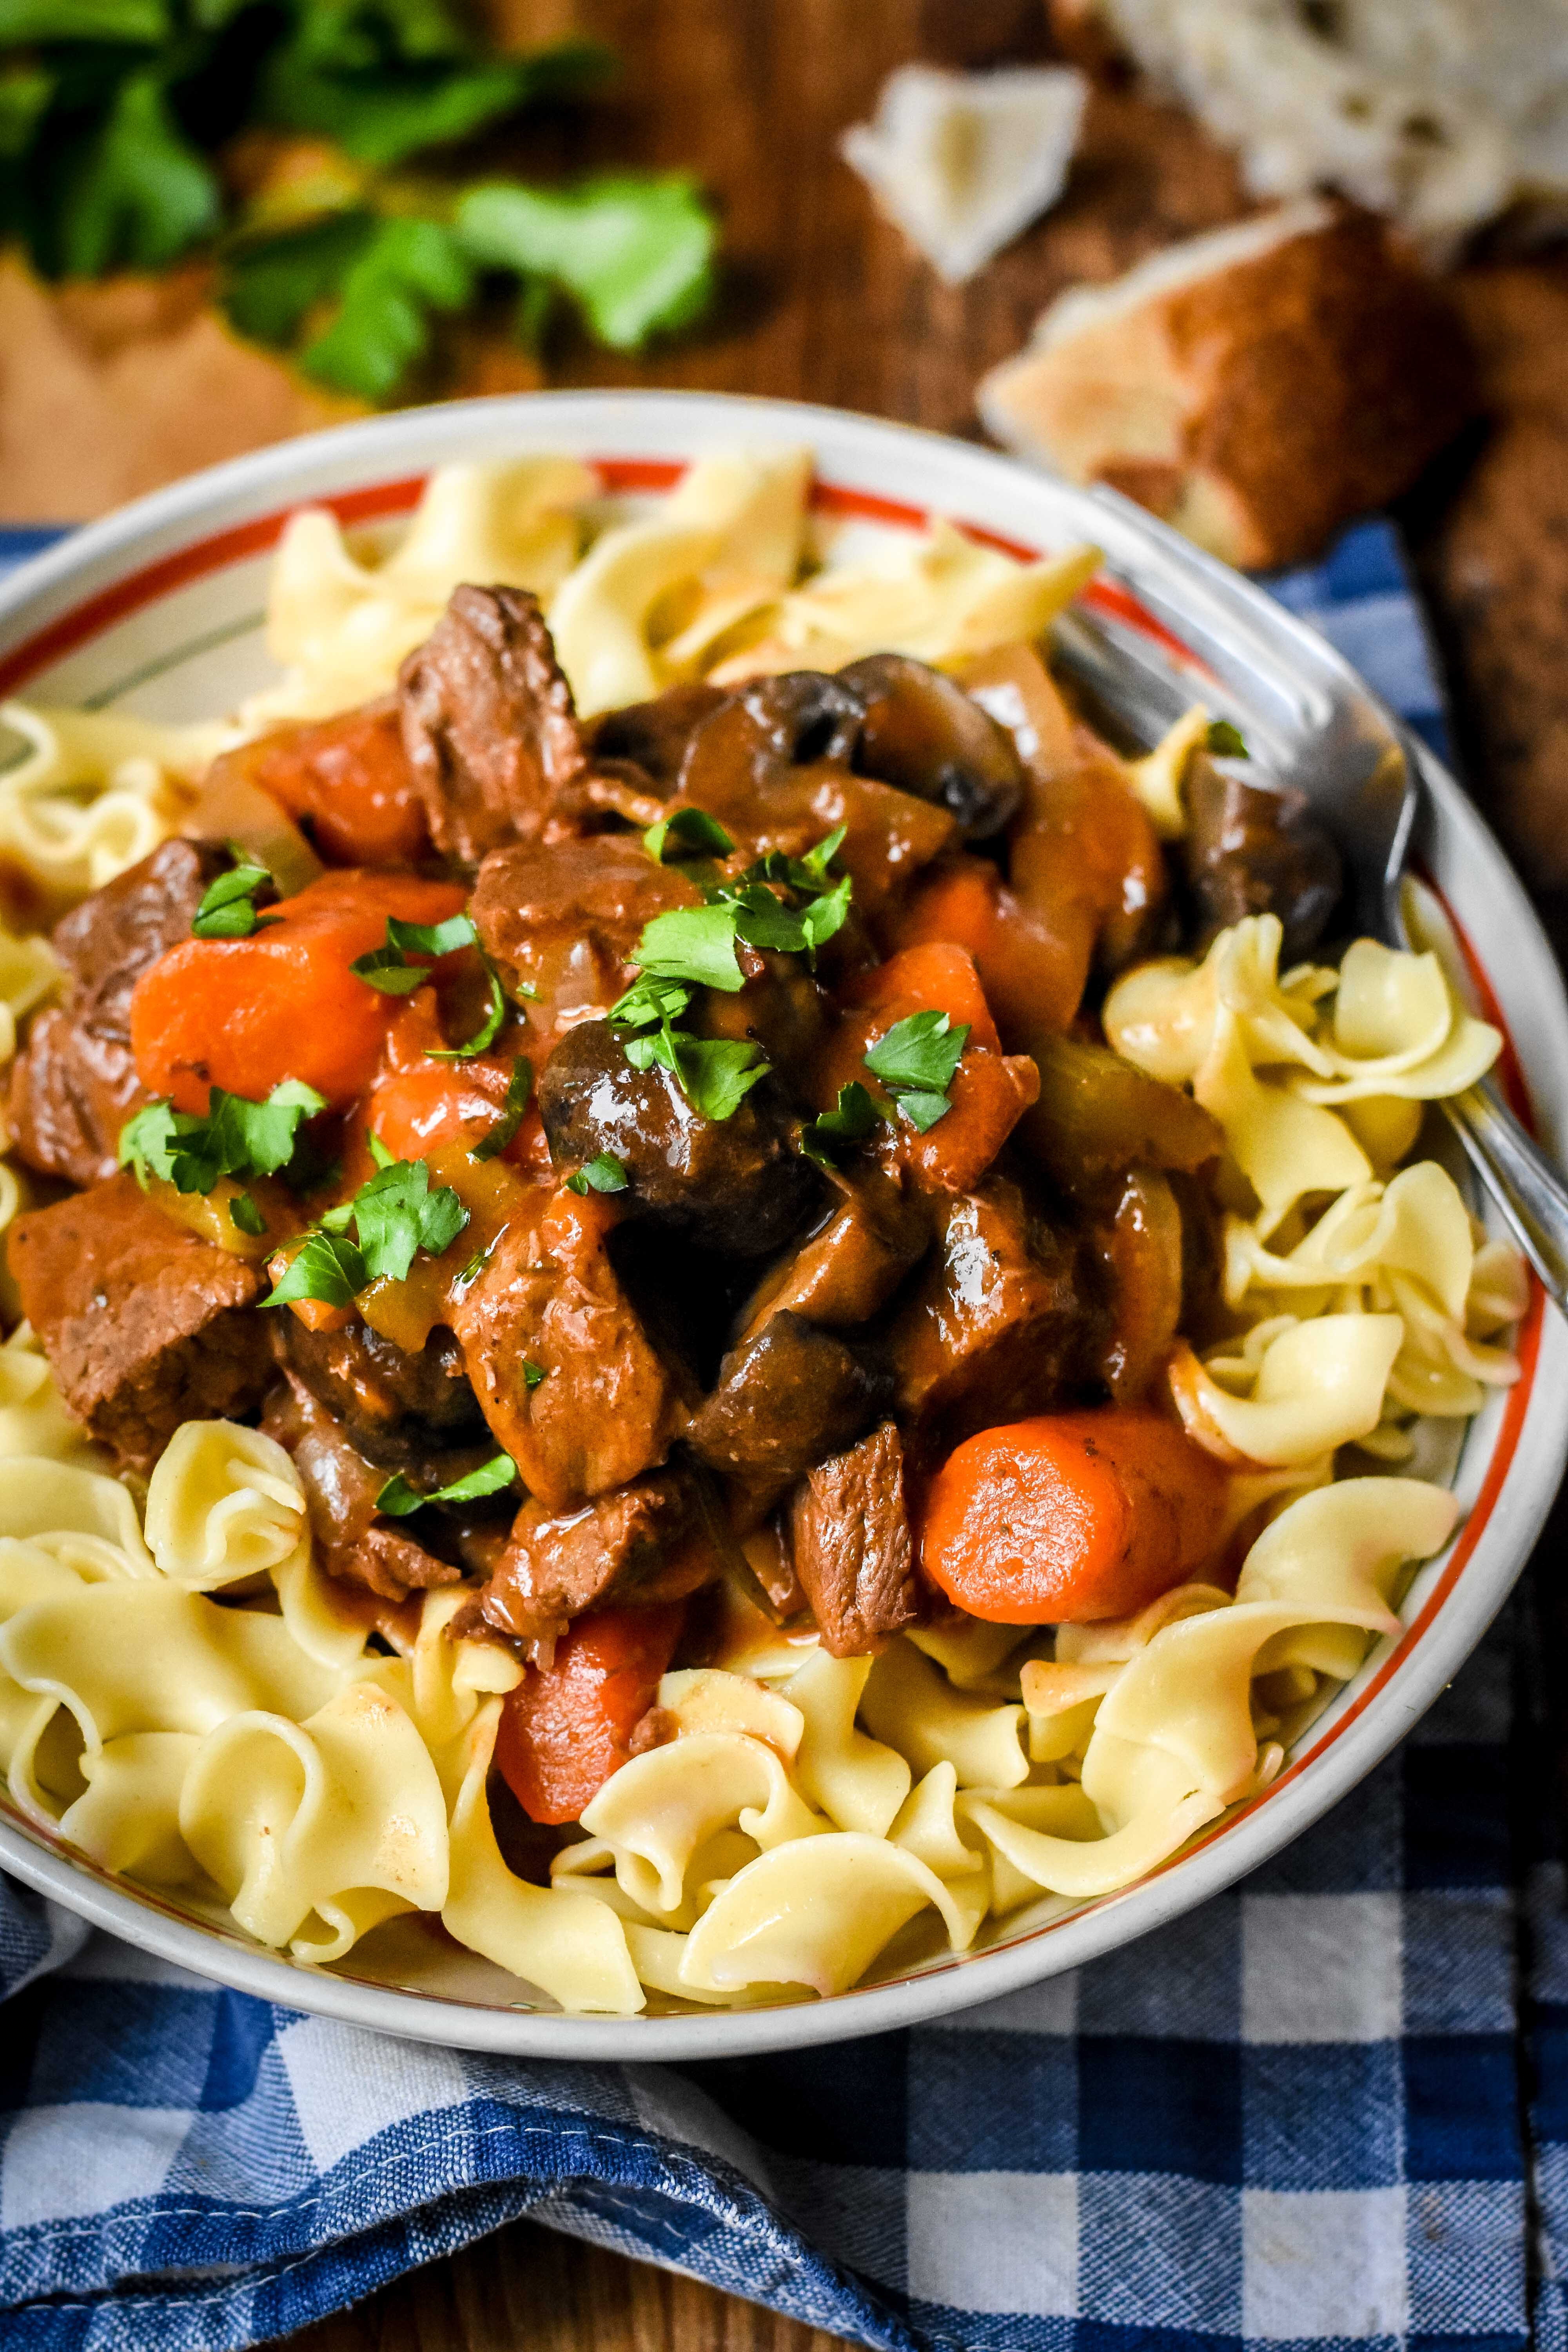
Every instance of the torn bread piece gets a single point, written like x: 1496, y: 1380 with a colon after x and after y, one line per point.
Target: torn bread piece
x: 962, y: 163
x: 1441, y: 113
x: 1256, y: 387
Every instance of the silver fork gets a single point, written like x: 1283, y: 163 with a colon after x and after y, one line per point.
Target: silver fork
x: 1374, y: 824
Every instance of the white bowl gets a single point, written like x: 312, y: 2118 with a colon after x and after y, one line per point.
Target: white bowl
x: 158, y: 610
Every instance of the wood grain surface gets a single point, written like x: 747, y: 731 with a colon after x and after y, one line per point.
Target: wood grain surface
x: 822, y: 301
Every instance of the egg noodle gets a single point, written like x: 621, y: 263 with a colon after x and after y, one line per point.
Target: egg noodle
x: 182, y: 1697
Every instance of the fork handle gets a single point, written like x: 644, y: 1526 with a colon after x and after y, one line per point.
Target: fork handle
x: 1530, y: 1193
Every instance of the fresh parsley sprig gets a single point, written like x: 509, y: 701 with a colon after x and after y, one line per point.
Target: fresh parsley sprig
x: 228, y: 909
x: 603, y: 1175
x: 686, y: 833
x: 851, y: 1121
x: 115, y: 116
x: 916, y: 1061
x: 1226, y: 741
x: 695, y: 947
x: 519, y: 1085
x: 394, y: 1215
x: 236, y: 1138
x: 397, y: 1497
x: 391, y: 969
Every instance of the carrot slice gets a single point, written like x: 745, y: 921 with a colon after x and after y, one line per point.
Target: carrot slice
x: 244, y: 1014
x: 1032, y: 974
x: 1071, y: 1517
x: 937, y: 977
x: 349, y: 778
x: 564, y: 1731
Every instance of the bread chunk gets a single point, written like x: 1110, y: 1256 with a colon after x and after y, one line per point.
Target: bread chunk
x: 1257, y: 387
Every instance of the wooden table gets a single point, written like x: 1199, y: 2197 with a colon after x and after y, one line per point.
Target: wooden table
x: 822, y: 301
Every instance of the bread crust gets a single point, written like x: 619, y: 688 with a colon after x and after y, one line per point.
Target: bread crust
x: 1259, y: 405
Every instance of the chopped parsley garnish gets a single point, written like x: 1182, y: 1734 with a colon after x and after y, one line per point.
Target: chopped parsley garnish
x: 488, y: 1029
x: 397, y: 1497
x: 393, y: 1215
x: 686, y: 833
x: 604, y: 1174
x: 916, y: 1061
x: 519, y: 1085
x: 391, y: 969
x: 851, y: 1122
x: 1227, y: 740
x: 228, y: 910
x: 533, y: 1373
x: 694, y: 947
x: 245, y: 1217
x: 388, y: 967
x: 236, y: 1138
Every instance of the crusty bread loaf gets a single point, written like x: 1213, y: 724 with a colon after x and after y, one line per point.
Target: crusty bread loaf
x: 1441, y: 113
x: 1255, y: 386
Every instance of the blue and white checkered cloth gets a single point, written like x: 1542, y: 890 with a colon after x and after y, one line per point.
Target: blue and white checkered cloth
x: 1329, y: 2108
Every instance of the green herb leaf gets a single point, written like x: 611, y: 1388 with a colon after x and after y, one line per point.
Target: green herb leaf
x: 919, y: 1055
x: 25, y: 95
x: 144, y: 23
x: 604, y: 1174
x: 127, y: 190
x: 923, y: 1111
x: 851, y: 1122
x: 648, y: 1001
x: 467, y: 1274
x: 533, y: 1373
x: 826, y: 915
x: 325, y: 1267
x: 397, y: 1497
x: 390, y: 968
x: 407, y: 269
x: 634, y: 248
x: 1227, y: 740
x: 717, y: 1074
x: 395, y: 1214
x: 245, y: 1215
x: 236, y: 1138
x: 687, y: 831
x: 271, y: 284
x: 810, y: 872
x: 695, y: 945
x: 487, y: 1031
x: 386, y: 78
x: 491, y: 1144
x: 228, y: 910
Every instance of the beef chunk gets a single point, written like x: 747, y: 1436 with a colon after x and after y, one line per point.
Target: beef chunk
x: 606, y: 1407
x: 1253, y: 852
x: 416, y: 1413
x: 733, y: 1183
x: 923, y: 733
x: 488, y: 723
x: 1001, y: 1325
x: 784, y: 1398
x: 561, y: 919
x: 141, y: 1320
x: 850, y: 1529
x: 643, y: 1543
x: 341, y: 1487
x: 75, y: 1085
